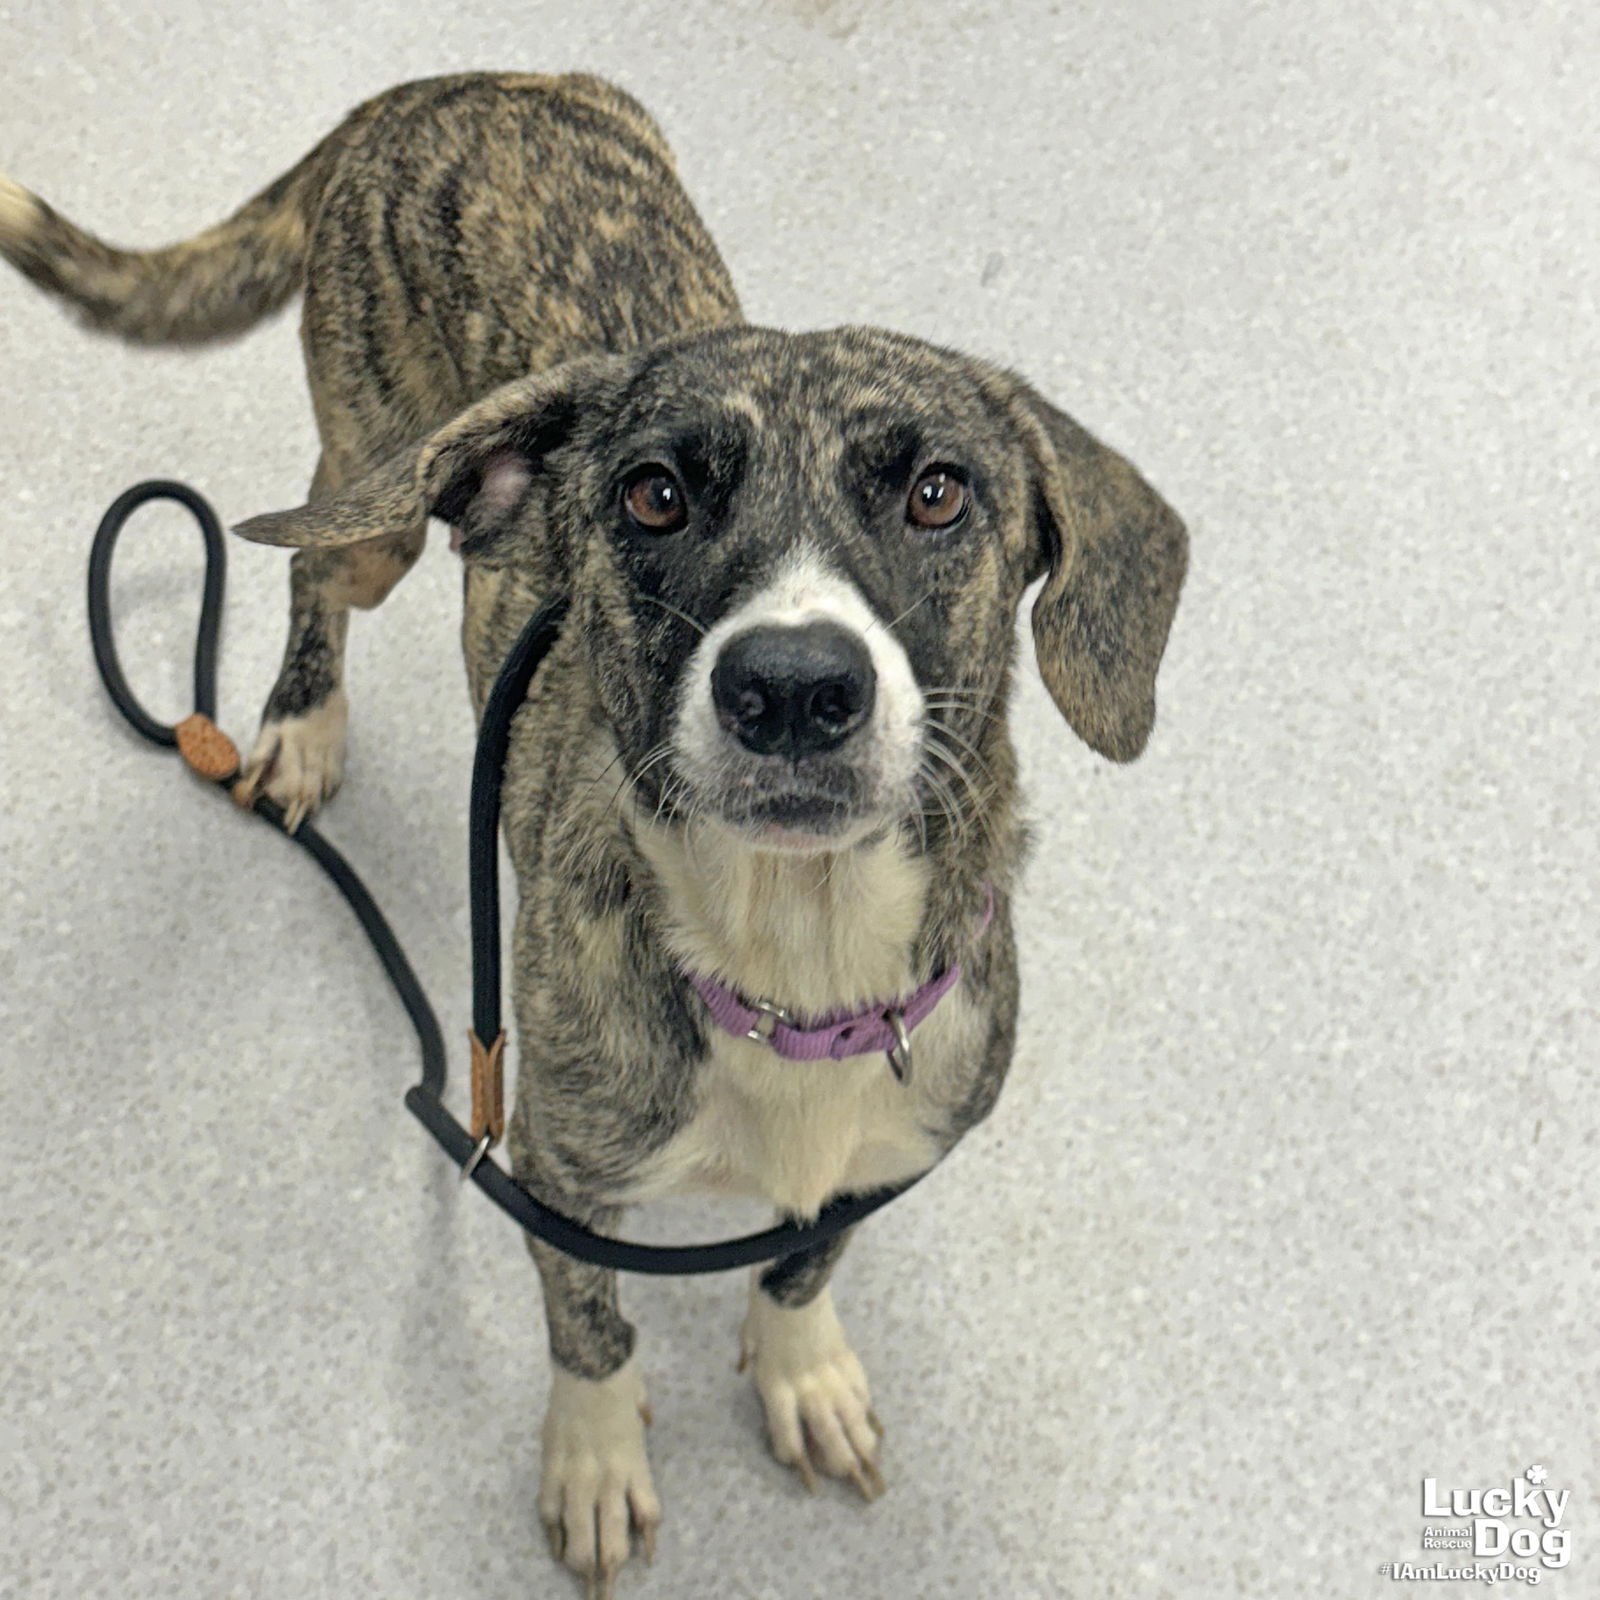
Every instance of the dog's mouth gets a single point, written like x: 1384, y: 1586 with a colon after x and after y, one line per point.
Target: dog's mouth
x: 796, y: 821
x: 775, y: 805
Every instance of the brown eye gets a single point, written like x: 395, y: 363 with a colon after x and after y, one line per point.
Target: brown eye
x: 939, y: 499
x: 654, y: 499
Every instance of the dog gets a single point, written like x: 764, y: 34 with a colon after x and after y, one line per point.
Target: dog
x: 767, y: 760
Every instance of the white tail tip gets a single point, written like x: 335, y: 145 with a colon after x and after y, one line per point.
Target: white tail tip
x: 18, y: 209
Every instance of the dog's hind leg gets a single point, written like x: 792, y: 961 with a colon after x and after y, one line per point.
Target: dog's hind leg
x: 819, y: 1410
x: 595, y: 1491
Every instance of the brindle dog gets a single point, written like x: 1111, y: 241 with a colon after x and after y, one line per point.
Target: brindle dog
x: 770, y: 747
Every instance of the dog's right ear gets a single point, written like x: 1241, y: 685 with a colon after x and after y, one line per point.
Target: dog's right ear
x: 475, y: 467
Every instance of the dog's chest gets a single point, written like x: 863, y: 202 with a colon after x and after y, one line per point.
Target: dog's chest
x: 795, y: 1132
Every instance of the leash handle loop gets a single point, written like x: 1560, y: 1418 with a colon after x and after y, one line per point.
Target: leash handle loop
x: 103, y: 638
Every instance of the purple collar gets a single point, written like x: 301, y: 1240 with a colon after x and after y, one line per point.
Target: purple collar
x: 882, y: 1026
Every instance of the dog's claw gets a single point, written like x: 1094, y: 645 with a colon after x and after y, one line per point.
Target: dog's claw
x: 256, y: 775
x: 595, y: 1494
x: 297, y: 761
x: 645, y: 1412
x: 819, y: 1414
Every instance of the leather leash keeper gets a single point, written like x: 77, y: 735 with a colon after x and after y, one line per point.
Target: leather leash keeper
x: 212, y: 756
x: 488, y: 1123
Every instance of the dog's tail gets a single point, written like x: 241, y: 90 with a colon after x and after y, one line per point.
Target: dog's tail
x: 217, y: 284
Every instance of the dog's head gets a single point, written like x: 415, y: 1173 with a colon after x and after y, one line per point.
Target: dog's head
x: 795, y: 561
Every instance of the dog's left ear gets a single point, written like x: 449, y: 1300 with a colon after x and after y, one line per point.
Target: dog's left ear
x: 1116, y: 554
x: 472, y: 471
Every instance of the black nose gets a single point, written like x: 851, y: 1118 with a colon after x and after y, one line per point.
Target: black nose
x: 793, y: 691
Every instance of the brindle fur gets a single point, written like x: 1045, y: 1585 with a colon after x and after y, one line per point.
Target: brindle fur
x: 453, y: 237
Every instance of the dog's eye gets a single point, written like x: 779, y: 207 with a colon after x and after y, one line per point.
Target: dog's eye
x: 654, y: 500
x: 939, y: 499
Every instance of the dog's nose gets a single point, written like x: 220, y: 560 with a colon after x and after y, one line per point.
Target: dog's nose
x: 793, y: 691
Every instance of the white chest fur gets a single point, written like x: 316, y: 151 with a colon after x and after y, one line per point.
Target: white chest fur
x: 815, y: 934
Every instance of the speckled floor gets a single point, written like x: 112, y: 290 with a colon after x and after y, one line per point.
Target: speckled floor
x: 1291, y: 1203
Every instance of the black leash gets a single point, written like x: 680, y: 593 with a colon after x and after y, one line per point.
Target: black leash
x: 199, y: 741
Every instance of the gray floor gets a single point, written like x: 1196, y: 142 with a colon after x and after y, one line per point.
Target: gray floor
x: 1292, y: 1200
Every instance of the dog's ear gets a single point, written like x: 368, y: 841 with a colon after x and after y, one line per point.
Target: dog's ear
x: 1116, y: 554
x: 472, y: 470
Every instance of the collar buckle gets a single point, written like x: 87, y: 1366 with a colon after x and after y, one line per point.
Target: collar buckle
x: 766, y: 1024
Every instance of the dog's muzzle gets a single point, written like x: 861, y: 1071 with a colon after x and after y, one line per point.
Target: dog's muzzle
x: 799, y: 721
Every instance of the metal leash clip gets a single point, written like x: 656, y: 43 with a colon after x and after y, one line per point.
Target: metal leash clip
x: 479, y: 1151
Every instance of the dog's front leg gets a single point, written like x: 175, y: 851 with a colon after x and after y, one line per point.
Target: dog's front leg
x: 595, y: 1490
x: 812, y: 1387
x: 298, y: 758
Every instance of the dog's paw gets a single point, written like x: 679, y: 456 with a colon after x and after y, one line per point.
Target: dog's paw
x: 819, y: 1412
x: 595, y: 1492
x: 298, y: 761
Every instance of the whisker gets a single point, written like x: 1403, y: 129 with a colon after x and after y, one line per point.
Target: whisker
x: 950, y: 760
x: 980, y: 816
x: 943, y: 794
x: 699, y: 627
x: 655, y: 753
x: 680, y: 797
x: 922, y: 829
x: 959, y: 697
x: 963, y: 710
x: 950, y: 733
x: 978, y: 699
x: 604, y: 770
x: 889, y: 627
x: 968, y: 689
x: 932, y: 736
x: 827, y: 876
